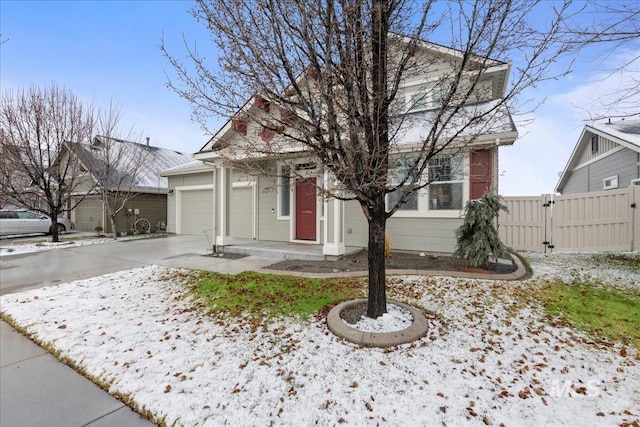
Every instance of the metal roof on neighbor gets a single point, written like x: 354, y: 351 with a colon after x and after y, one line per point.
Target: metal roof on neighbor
x: 156, y: 159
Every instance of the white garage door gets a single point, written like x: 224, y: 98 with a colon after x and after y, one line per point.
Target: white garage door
x: 196, y: 211
x: 242, y: 212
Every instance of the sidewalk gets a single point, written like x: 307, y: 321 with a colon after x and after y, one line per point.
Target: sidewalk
x: 38, y: 390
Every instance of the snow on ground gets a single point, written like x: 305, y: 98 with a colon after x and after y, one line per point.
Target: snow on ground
x: 489, y: 357
x: 7, y: 248
x: 15, y: 248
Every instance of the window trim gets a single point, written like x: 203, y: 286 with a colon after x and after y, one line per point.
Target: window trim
x: 613, y: 183
x: 423, y: 197
x: 279, y: 190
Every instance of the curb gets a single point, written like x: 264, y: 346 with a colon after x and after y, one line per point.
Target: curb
x: 516, y: 275
x: 340, y: 328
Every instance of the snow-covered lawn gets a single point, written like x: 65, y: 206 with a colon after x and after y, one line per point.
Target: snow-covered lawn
x: 14, y: 248
x: 489, y: 358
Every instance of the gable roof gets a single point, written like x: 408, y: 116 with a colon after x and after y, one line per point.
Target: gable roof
x: 148, y: 179
x: 625, y: 133
x: 499, y: 71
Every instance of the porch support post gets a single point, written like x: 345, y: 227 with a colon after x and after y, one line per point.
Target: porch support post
x: 334, y: 229
x: 223, y: 223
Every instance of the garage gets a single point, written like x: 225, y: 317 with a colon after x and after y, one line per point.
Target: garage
x: 195, y: 209
x: 242, y: 219
x: 88, y: 214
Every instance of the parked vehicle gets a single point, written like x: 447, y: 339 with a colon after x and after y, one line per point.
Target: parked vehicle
x: 26, y: 222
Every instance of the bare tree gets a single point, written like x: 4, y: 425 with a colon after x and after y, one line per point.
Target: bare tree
x: 113, y: 163
x: 327, y: 75
x: 34, y: 126
x: 616, y: 25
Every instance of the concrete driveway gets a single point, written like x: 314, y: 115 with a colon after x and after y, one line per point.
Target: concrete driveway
x: 36, y: 389
x: 35, y: 270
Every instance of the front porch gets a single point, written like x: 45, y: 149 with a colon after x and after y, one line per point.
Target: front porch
x: 281, y: 250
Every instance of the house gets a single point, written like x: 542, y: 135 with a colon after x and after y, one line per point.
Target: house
x: 606, y: 157
x: 150, y: 199
x: 287, y: 206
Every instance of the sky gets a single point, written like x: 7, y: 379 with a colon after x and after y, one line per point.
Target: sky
x: 108, y: 52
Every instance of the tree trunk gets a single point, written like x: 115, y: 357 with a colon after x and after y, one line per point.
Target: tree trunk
x: 377, y: 301
x: 55, y: 237
x: 112, y: 220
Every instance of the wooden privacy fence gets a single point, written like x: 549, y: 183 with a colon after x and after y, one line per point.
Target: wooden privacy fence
x: 600, y: 221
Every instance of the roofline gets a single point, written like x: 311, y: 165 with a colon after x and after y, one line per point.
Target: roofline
x: 200, y: 169
x: 570, y: 165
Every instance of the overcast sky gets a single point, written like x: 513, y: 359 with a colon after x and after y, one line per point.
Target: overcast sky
x: 107, y: 51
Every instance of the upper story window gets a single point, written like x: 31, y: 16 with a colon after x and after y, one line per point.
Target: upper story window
x: 594, y: 144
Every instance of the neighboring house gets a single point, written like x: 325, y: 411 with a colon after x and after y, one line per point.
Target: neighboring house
x: 213, y: 195
x: 150, y: 201
x: 606, y: 157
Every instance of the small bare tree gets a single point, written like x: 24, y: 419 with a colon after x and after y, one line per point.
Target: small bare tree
x: 114, y: 164
x: 34, y: 126
x: 326, y: 75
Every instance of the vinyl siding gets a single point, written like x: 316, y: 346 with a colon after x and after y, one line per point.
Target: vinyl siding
x: 269, y: 226
x: 578, y: 182
x: 407, y: 234
x: 152, y: 207
x: 242, y: 212
x: 590, y: 178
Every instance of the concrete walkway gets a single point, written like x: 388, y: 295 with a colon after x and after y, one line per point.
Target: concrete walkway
x: 38, y: 390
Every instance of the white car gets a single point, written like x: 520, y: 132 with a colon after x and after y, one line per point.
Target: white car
x: 26, y: 222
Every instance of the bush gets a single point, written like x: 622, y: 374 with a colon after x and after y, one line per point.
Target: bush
x: 130, y: 232
x: 477, y: 237
x: 98, y: 229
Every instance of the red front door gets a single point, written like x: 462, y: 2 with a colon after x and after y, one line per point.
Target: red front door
x: 306, y: 209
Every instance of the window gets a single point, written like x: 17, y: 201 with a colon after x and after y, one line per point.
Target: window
x: 594, y: 144
x: 29, y: 215
x: 446, y: 176
x: 410, y: 203
x: 399, y: 105
x: 399, y: 169
x: 419, y: 101
x: 610, y: 183
x: 445, y: 191
x: 284, y: 192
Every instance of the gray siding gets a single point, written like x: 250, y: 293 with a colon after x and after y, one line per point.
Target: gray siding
x: 269, y: 227
x: 590, y: 178
x: 578, y: 182
x: 406, y: 234
x: 242, y: 212
x: 171, y: 204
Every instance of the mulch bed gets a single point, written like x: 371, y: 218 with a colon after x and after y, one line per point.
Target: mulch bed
x: 397, y: 261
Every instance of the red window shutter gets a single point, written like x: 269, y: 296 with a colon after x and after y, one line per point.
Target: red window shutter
x: 481, y: 172
x: 262, y: 103
x: 239, y: 126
